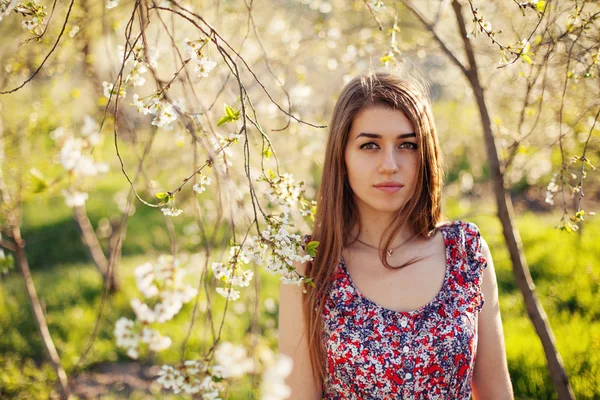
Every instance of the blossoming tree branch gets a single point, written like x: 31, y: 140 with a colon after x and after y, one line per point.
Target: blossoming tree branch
x: 173, y: 69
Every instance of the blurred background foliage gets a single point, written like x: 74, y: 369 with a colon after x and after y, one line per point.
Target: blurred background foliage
x: 313, y: 48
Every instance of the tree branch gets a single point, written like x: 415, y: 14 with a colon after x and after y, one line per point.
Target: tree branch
x: 437, y: 37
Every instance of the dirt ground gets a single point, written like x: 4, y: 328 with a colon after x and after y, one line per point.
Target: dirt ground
x: 123, y: 380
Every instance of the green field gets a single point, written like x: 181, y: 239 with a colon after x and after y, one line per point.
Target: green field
x: 564, y: 267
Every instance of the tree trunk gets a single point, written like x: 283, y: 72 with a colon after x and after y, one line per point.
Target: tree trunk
x: 38, y: 313
x: 93, y: 246
x: 511, y: 234
x: 13, y: 221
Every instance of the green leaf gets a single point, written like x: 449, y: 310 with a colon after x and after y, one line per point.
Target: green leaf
x: 230, y: 115
x: 229, y: 111
x: 309, y: 282
x: 7, y: 262
x: 311, y: 248
x: 387, y: 58
x: 590, y: 164
x: 162, y: 195
x: 526, y: 58
x: 267, y: 153
x: 224, y: 120
x: 38, y: 182
x: 541, y: 5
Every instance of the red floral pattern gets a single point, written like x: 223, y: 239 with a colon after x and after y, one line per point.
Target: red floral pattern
x: 428, y: 353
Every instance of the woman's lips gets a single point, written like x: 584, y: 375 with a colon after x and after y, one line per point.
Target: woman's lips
x: 389, y: 187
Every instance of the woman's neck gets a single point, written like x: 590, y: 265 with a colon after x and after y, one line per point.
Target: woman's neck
x: 372, y: 229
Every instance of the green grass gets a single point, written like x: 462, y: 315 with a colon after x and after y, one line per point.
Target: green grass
x: 564, y: 268
x: 566, y: 274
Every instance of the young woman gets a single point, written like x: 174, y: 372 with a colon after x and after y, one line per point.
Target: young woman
x: 398, y: 310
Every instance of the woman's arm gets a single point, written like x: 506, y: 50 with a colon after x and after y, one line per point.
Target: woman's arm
x: 293, y: 341
x: 491, y: 380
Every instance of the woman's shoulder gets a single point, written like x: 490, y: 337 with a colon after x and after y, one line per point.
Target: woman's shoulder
x: 470, y: 228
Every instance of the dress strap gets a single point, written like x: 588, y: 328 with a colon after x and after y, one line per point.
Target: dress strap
x: 476, y: 263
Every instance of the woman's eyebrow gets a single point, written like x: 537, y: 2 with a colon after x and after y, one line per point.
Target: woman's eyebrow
x: 378, y: 136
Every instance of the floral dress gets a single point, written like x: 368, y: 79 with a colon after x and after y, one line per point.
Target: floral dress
x: 429, y: 353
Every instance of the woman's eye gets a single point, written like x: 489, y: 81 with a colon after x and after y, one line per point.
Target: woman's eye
x: 369, y: 146
x: 409, y: 145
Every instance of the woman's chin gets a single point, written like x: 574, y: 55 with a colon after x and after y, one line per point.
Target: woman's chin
x: 385, y: 208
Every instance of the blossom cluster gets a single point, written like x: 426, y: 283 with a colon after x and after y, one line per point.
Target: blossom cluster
x: 171, y: 211
x: 32, y: 12
x: 377, y: 5
x: 221, y: 146
x: 273, y: 385
x: 6, y: 7
x: 192, y: 378
x: 161, y: 284
x: 163, y: 111
x: 200, y: 187
x: 198, y: 377
x: 283, y: 191
x: 551, y: 189
x: 75, y: 161
x: 202, y: 65
x: 129, y: 335
x: 133, y: 59
x: 230, y: 361
x: 109, y: 90
x: 232, y: 274
x: 276, y: 250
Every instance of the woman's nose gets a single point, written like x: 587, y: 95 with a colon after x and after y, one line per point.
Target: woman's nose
x: 389, y: 164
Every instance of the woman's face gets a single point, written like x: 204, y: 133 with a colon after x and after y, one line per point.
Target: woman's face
x: 382, y: 159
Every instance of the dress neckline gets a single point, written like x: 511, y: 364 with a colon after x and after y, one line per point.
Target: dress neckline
x: 443, y: 228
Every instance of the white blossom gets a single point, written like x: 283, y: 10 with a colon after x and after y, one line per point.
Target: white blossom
x: 112, y: 3
x: 273, y: 385
x: 165, y: 114
x: 232, y: 360
x: 170, y: 378
x: 242, y: 279
x: 144, y: 108
x: 142, y: 312
x: 189, y: 378
x: 58, y: 134
x: 74, y: 198
x: 87, y: 167
x: 219, y: 270
x: 90, y: 129
x: 200, y: 187
x: 126, y: 337
x: 70, y: 153
x: 203, y: 66
x: 167, y: 309
x: 156, y: 342
x: 153, y: 58
x: 6, y: 6
x: 377, y: 5
x: 171, y: 212
x: 164, y: 280
x: 551, y: 189
x: 229, y: 293
x: 144, y: 277
x: 292, y: 280
x: 108, y: 87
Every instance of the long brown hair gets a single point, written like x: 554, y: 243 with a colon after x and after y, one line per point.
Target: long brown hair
x: 337, y: 212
